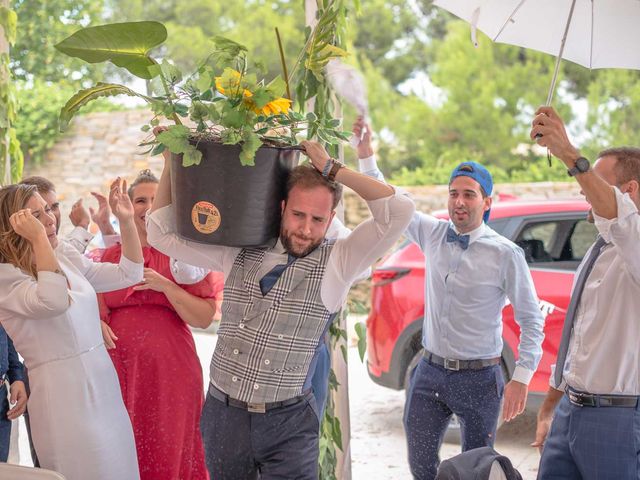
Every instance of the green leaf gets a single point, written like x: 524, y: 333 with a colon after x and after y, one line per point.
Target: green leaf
x: 345, y: 354
x: 277, y: 87
x: 145, y: 128
x: 251, y: 144
x: 191, y: 156
x: 361, y: 331
x: 204, y: 81
x: 171, y: 73
x: 126, y: 45
x: 175, y: 138
x: 227, y: 50
x: 158, y: 149
x: 85, y: 96
x: 311, y: 117
x: 230, y: 137
x: 199, y: 112
x: 337, y: 433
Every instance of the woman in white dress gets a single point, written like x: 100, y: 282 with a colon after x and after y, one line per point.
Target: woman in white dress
x: 48, y: 306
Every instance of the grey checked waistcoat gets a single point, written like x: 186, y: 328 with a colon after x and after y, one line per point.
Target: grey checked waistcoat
x: 265, y: 344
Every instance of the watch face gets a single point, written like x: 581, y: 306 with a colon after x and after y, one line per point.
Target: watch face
x: 582, y: 164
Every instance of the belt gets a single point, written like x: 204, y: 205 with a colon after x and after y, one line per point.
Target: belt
x: 583, y: 399
x: 254, y: 407
x: 453, y: 364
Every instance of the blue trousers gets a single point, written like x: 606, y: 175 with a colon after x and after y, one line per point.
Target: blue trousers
x: 589, y: 443
x: 280, y: 444
x: 5, y: 424
x: 435, y: 394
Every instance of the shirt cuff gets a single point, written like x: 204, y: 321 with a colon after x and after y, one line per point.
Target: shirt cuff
x: 81, y: 234
x: 111, y: 240
x: 522, y: 375
x: 626, y: 208
x: 367, y: 164
x: 15, y: 374
x: 132, y: 270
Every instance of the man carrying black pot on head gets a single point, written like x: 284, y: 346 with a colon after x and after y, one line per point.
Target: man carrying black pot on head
x: 260, y: 419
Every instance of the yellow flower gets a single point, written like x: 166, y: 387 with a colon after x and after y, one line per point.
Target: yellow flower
x: 274, y: 107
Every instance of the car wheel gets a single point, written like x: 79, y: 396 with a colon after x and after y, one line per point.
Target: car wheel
x: 453, y: 433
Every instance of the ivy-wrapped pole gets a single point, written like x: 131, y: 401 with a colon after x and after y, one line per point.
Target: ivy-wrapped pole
x: 4, y: 78
x: 338, y: 362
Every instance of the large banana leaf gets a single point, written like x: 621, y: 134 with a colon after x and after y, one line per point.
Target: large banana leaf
x: 85, y: 96
x: 127, y: 45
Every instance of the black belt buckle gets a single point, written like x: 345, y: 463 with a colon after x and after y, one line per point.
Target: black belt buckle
x: 451, y: 364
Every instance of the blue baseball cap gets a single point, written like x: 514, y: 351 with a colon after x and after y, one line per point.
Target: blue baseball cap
x: 477, y: 172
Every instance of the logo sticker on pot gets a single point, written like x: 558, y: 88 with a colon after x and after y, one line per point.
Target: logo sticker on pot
x: 205, y: 217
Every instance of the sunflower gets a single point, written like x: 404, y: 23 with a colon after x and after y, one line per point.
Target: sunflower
x: 274, y: 107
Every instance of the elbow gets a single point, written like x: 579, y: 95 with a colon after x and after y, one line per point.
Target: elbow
x: 52, y: 306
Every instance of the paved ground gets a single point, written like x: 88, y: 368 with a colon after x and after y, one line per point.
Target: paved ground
x: 377, y: 446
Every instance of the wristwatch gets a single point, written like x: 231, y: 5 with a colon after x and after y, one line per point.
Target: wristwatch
x: 582, y: 165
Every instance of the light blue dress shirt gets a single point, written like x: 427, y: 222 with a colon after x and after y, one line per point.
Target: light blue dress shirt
x: 466, y: 290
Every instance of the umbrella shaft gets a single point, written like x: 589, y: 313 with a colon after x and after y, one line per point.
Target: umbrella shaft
x: 559, y: 57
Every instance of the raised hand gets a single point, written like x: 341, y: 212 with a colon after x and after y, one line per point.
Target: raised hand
x: 27, y: 226
x: 362, y: 132
x: 316, y: 153
x: 119, y: 200
x: 102, y: 216
x: 79, y: 216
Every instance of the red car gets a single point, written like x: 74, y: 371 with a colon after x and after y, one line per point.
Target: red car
x: 554, y: 236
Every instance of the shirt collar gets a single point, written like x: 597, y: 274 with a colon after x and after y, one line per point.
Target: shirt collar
x: 473, y: 234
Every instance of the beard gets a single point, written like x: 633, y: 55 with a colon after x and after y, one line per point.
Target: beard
x: 287, y: 242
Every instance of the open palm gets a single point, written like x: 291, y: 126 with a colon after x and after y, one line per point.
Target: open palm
x: 119, y: 201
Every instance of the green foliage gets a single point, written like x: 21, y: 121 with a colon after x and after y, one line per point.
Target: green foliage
x: 83, y: 97
x: 41, y: 24
x: 126, y: 45
x: 37, y: 123
x: 11, y: 158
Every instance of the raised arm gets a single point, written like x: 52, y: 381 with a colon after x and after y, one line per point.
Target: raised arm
x: 548, y: 131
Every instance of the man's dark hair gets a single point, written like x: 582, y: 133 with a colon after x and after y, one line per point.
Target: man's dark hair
x: 307, y: 177
x: 627, y: 165
x: 42, y: 184
x: 145, y: 176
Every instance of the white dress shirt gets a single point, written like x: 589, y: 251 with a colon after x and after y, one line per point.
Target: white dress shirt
x: 604, y: 351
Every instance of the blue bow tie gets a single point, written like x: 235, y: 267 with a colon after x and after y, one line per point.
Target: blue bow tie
x: 452, y: 237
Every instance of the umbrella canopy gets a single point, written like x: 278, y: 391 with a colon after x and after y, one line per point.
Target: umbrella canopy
x: 601, y: 33
x: 591, y: 33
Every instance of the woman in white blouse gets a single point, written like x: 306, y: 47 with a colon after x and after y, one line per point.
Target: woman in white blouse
x: 48, y: 306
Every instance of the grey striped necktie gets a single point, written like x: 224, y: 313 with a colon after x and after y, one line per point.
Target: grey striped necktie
x: 570, y: 318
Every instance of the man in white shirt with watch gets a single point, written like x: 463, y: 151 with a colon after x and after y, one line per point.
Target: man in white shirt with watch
x: 589, y: 424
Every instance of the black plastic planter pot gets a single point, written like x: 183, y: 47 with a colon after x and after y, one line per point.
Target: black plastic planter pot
x: 221, y: 202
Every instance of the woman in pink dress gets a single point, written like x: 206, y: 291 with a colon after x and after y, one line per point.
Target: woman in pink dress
x: 147, y: 330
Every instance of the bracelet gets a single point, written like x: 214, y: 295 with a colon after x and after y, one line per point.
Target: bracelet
x: 327, y: 167
x: 334, y: 170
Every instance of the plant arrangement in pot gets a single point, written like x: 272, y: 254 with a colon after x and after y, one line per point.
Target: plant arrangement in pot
x: 236, y: 131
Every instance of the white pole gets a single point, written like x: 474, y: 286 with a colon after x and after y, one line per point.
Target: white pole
x: 340, y: 368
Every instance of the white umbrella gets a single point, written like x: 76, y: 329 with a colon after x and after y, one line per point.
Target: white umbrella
x: 592, y: 33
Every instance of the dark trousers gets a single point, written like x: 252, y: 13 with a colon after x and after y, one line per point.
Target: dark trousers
x: 5, y: 424
x: 435, y: 394
x: 279, y: 444
x: 589, y: 443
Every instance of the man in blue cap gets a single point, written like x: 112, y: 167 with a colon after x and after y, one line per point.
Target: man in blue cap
x: 470, y: 273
